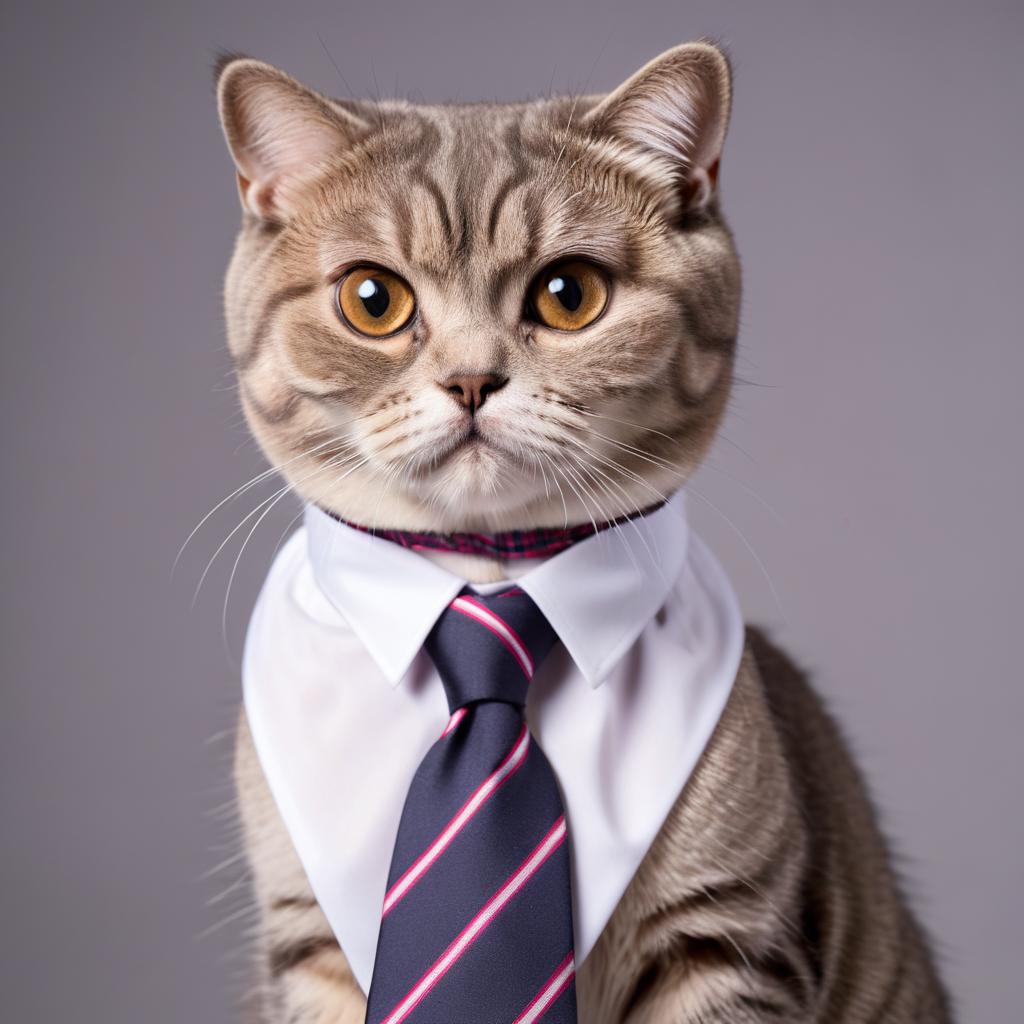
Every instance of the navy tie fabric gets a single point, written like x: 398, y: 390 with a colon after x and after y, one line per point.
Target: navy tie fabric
x: 477, y: 919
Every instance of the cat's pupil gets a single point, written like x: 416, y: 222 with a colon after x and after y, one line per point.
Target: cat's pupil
x: 375, y: 297
x: 568, y: 291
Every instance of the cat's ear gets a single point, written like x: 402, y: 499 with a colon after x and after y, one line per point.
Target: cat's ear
x: 281, y: 135
x: 675, y: 109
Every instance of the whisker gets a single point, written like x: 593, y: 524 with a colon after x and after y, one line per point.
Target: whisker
x: 284, y: 533
x: 746, y: 543
x: 709, y: 464
x: 640, y: 453
x: 616, y: 528
x: 561, y: 493
x: 617, y: 466
x: 625, y: 423
x: 273, y: 498
x: 577, y: 492
x: 338, y: 439
x: 331, y: 464
x: 236, y: 493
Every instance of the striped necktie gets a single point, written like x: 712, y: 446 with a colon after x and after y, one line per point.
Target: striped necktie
x: 477, y: 918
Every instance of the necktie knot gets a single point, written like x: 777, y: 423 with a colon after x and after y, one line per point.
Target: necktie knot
x: 487, y: 647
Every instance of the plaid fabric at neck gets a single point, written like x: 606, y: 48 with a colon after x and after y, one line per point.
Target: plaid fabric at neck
x: 507, y: 544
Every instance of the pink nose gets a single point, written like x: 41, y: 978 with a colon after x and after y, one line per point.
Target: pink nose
x: 471, y: 390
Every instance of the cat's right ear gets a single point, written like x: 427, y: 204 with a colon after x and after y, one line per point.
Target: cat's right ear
x: 282, y: 136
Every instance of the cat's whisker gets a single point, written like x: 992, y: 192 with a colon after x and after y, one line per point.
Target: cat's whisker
x: 560, y: 470
x: 273, y: 498
x: 710, y: 464
x: 618, y: 467
x: 227, y: 539
x: 333, y: 464
x: 634, y: 450
x: 606, y: 516
x: 746, y: 543
x: 390, y: 474
x: 640, y: 453
x: 564, y: 177
x: 286, y: 531
x: 616, y: 528
x: 260, y: 477
x: 234, y: 567
x: 625, y: 423
x: 666, y: 464
x: 337, y: 68
x: 535, y: 465
x: 568, y: 125
x: 241, y: 490
x: 632, y: 505
x: 721, y: 435
x: 579, y: 494
x: 561, y: 493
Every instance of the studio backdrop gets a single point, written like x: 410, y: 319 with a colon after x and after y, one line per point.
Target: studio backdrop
x: 864, y: 494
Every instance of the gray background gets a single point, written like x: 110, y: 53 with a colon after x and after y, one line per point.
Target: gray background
x: 866, y: 501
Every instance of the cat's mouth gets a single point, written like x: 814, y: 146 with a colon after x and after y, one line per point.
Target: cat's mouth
x: 471, y: 440
x: 471, y: 443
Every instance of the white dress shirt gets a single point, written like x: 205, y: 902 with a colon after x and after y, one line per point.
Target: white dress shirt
x: 343, y: 704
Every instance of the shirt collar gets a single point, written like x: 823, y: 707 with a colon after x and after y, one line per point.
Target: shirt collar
x: 598, y: 594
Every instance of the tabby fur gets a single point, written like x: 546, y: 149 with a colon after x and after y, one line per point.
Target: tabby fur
x: 768, y: 894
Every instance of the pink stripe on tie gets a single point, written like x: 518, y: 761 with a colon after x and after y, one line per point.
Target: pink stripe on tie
x: 513, y: 761
x: 475, y: 928
x: 453, y: 722
x: 551, y: 990
x: 499, y: 627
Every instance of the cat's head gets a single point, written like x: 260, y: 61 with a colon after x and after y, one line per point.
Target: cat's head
x: 483, y: 316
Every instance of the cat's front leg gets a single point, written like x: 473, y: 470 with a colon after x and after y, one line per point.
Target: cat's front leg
x: 305, y: 977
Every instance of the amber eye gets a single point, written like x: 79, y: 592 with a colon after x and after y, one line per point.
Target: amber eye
x: 375, y: 301
x: 568, y: 296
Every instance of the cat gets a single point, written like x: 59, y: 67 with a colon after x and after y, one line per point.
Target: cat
x: 785, y: 906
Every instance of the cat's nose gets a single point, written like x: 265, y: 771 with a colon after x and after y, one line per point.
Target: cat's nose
x: 471, y: 390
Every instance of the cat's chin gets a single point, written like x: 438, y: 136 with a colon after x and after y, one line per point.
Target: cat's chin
x: 475, y: 487
x: 479, y: 480
x: 471, y: 454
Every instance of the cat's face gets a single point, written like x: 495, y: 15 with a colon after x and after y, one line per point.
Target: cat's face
x: 483, y: 316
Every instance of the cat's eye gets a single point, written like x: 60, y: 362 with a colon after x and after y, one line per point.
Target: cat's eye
x: 375, y: 301
x: 568, y: 296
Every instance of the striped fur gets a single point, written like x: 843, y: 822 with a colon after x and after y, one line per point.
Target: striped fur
x: 469, y: 203
x: 766, y: 897
x: 768, y: 894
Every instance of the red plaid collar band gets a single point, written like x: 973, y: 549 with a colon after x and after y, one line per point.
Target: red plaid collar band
x: 505, y: 545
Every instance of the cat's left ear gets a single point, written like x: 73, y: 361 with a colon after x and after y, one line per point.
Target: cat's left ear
x: 282, y: 135
x: 675, y: 110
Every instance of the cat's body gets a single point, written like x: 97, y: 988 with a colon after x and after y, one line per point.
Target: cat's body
x: 767, y: 895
